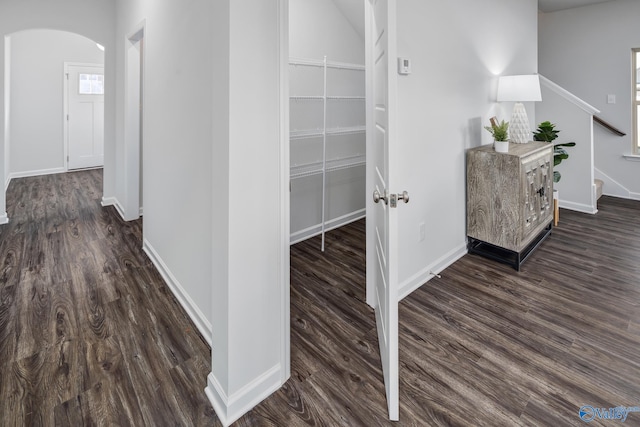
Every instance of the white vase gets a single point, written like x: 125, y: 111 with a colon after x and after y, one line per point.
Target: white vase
x: 501, y: 146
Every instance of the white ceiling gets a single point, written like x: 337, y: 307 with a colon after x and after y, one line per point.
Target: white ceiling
x: 555, y: 5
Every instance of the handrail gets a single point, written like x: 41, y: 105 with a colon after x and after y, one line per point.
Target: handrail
x: 608, y: 126
x: 589, y: 109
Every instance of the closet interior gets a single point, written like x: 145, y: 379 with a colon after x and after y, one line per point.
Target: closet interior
x: 327, y: 147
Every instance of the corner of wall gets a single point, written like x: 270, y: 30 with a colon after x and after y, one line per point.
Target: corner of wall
x: 230, y: 408
x: 424, y: 275
x: 113, y: 201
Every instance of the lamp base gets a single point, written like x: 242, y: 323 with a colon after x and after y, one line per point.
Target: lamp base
x: 519, y: 128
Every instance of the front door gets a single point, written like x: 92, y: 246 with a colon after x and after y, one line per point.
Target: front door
x: 382, y: 248
x: 85, y: 116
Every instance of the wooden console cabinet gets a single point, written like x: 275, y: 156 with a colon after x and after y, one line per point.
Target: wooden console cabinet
x: 509, y: 200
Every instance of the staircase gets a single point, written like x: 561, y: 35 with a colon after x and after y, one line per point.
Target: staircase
x: 599, y: 184
x: 574, y: 118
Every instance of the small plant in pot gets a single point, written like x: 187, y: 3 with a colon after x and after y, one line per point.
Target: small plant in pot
x: 546, y: 132
x: 500, y: 133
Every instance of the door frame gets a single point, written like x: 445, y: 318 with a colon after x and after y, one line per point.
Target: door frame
x: 285, y: 193
x: 134, y: 123
x: 65, y: 107
x: 285, y: 178
x: 370, y: 260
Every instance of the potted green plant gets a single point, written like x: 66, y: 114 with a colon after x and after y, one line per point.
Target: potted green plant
x: 546, y: 132
x: 500, y: 133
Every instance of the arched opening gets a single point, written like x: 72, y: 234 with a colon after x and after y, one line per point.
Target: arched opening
x: 54, y: 88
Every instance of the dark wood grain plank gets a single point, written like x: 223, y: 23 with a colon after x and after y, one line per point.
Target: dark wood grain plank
x: 91, y: 335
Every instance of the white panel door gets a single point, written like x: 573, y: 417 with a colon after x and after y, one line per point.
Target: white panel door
x: 383, y: 214
x: 85, y: 116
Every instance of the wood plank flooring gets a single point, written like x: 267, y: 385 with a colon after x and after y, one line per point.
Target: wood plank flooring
x: 91, y: 335
x: 484, y: 345
x: 89, y: 332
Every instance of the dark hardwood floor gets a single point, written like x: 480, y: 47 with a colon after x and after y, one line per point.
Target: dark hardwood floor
x: 89, y: 332
x: 484, y: 345
x: 91, y: 335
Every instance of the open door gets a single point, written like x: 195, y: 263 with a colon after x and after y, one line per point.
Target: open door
x: 382, y: 220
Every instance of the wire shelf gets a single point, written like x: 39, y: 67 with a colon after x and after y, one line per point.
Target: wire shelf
x: 329, y: 64
x: 307, y: 97
x: 347, y: 97
x: 315, y: 168
x: 315, y: 133
x: 342, y: 115
x: 346, y: 130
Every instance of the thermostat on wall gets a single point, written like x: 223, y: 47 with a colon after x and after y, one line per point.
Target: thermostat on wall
x: 404, y: 66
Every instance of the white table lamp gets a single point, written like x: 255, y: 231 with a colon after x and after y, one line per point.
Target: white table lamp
x: 519, y: 89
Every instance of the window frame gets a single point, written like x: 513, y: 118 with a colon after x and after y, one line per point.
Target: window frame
x: 92, y: 86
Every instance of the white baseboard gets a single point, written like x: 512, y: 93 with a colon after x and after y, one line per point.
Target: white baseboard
x: 230, y: 408
x: 113, y: 201
x: 578, y: 207
x: 27, y: 174
x: 4, y: 219
x: 613, y: 188
x: 108, y: 201
x: 423, y: 276
x: 198, y: 318
x: 314, y: 230
x: 39, y: 172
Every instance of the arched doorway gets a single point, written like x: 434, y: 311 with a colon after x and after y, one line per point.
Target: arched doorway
x: 53, y: 115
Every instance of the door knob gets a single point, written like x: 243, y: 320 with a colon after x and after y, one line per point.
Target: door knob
x: 404, y: 196
x: 393, y: 199
x: 377, y: 197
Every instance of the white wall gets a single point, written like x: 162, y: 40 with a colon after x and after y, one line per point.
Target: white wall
x: 318, y: 29
x: 37, y: 73
x: 575, y: 123
x: 177, y: 142
x: 250, y: 235
x: 213, y: 188
x: 93, y: 19
x: 588, y: 51
x: 458, y: 50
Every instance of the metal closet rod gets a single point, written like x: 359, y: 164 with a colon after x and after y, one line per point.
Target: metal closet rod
x: 316, y: 63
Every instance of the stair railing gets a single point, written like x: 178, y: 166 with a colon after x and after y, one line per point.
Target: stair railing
x: 608, y: 126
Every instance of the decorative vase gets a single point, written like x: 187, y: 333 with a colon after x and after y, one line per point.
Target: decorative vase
x: 501, y: 146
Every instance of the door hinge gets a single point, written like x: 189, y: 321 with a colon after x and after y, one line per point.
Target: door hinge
x: 67, y: 159
x: 67, y: 117
x: 67, y: 76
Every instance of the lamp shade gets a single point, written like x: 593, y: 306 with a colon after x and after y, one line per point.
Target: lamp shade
x: 519, y: 88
